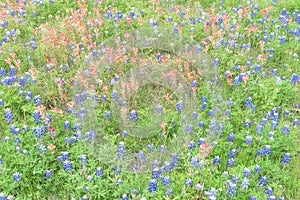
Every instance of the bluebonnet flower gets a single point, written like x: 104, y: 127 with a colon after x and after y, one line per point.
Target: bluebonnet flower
x: 298, y: 19
x: 1, y: 161
x: 247, y: 124
x: 25, y: 152
x: 212, y: 194
x: 231, y: 162
x: 286, y: 130
x: 134, y: 116
x: 28, y: 98
x: 67, y: 125
x: 156, y: 164
x: 68, y: 140
x: 267, y: 150
x: 216, y: 160
x: 3, y: 196
x: 17, y: 177
x: 188, y: 182
x: 84, y: 198
x: 260, y: 152
x: 141, y: 157
x: 87, y: 189
x: 12, y: 71
x: 231, y: 137
x: 263, y: 180
x: 43, y: 149
x: 6, y: 138
x: 248, y: 102
x: 192, y: 145
x: 156, y: 173
x: 200, y: 124
x: 233, y: 153
x: 1, y: 103
x: 37, y: 117
x: 252, y: 198
x: 216, y: 62
x: 83, y: 159
x: 249, y: 140
x: 68, y: 165
x: 230, y: 103
x: 194, y: 162
x: 64, y: 156
x: 121, y: 151
x: 159, y: 56
x: 151, y: 147
x: 194, y: 84
x: 159, y: 109
x: 18, y: 148
x: 232, y: 190
x: 286, y: 158
x: 27, y: 77
x: 204, y: 99
x: 269, y: 191
x: 125, y: 197
x: 166, y: 181
x: 9, y: 80
x: 189, y: 129
x: 153, y: 186
x: 235, y: 179
x: 99, y: 173
x: 17, y: 140
x: 9, y: 116
x: 282, y: 40
x: 184, y: 119
x: 14, y: 130
x: 48, y: 119
x: 75, y: 138
x: 295, y: 122
x: 169, y: 192
x: 22, y: 82
x: 271, y: 135
x: 117, y: 171
x: 76, y: 128
x: 195, y: 115
x: 2, y: 72
x: 104, y: 97
x: 274, y: 125
x: 199, y: 187
x: 275, y: 72
x: 272, y: 197
x: 247, y: 172
x: 257, y: 169
x: 39, y: 131
x: 48, y: 174
x: 175, y: 159
x: 161, y: 149
x: 237, y: 80
x: 228, y: 113
x: 89, y: 179
x: 37, y: 100
x: 245, y: 183
x: 133, y: 191
x: 180, y: 106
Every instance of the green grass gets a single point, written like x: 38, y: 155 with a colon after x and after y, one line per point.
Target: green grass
x: 79, y: 30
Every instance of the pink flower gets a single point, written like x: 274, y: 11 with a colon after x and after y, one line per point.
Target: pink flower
x: 205, y: 149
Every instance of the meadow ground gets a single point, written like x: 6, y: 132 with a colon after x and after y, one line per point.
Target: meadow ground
x: 154, y: 99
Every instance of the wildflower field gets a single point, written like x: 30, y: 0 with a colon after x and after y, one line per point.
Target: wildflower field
x: 158, y: 99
